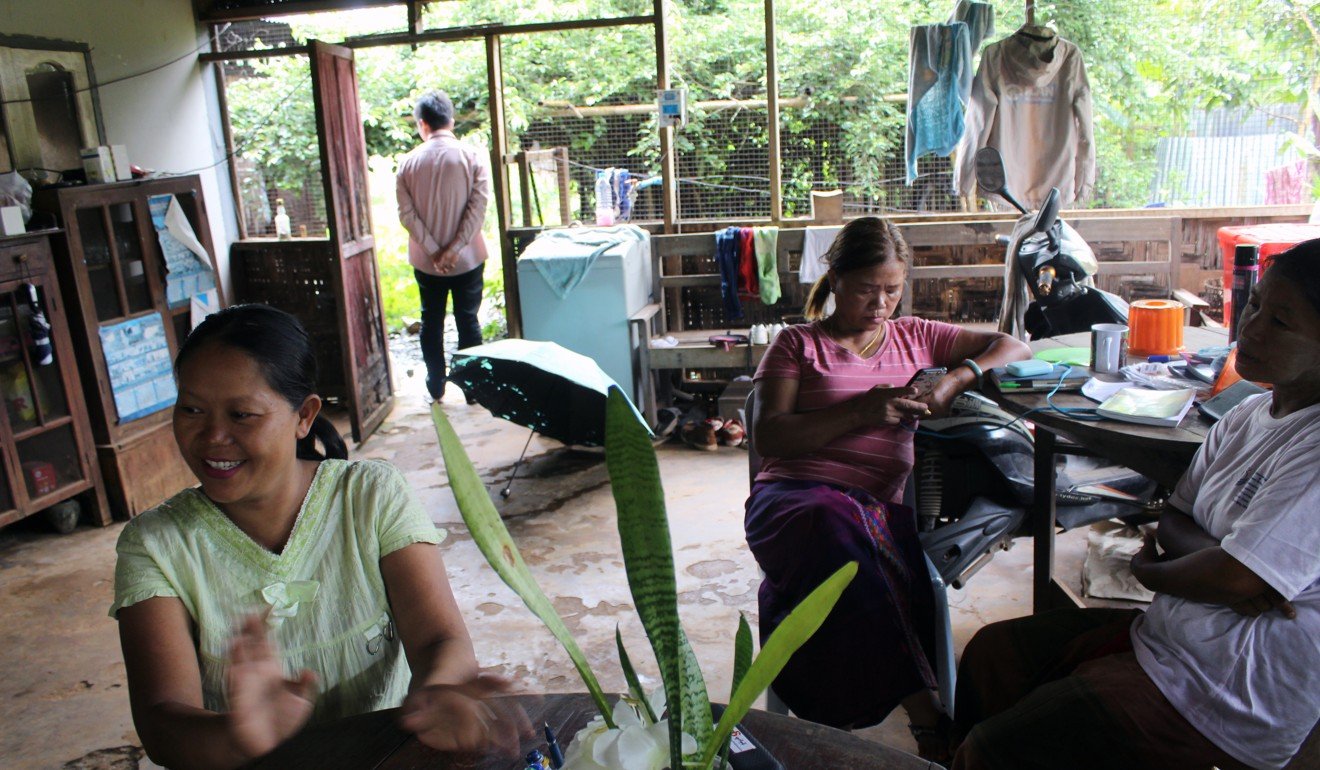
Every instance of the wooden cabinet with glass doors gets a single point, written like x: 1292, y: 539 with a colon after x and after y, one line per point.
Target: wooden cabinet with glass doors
x: 46, y: 446
x: 113, y: 272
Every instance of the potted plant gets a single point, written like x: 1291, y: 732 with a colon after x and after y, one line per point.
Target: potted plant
x: 638, y: 731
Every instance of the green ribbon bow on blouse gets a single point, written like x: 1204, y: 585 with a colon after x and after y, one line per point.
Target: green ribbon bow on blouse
x: 285, y: 598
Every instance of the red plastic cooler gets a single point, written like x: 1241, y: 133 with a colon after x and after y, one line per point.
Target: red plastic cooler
x: 1272, y: 238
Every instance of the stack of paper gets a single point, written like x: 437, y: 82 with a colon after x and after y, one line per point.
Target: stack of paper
x: 1148, y: 407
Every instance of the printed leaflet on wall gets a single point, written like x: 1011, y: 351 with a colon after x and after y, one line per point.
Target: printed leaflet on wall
x: 137, y: 356
x: 186, y: 262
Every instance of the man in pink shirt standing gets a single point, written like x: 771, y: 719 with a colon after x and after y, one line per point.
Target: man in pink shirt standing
x: 443, y: 187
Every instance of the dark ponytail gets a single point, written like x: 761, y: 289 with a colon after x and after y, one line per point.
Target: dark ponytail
x: 863, y: 242
x: 283, y: 351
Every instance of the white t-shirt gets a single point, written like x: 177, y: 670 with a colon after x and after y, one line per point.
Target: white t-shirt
x: 1250, y: 685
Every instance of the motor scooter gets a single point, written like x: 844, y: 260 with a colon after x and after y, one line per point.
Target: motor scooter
x: 972, y: 490
x: 1046, y: 257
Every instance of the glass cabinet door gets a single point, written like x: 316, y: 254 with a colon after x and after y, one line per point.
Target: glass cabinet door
x: 113, y: 256
x: 33, y: 390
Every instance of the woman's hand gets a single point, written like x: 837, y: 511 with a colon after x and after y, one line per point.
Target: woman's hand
x: 890, y: 406
x: 939, y: 399
x: 264, y: 708
x: 467, y: 717
x: 1263, y: 603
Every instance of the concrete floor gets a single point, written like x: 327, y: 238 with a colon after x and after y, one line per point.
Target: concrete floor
x: 63, y: 698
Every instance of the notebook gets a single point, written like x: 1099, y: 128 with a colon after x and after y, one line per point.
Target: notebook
x: 1076, y: 375
x: 1148, y: 407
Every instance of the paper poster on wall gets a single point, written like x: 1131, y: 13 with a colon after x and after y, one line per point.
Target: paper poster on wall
x: 203, y: 304
x: 187, y: 265
x: 137, y: 357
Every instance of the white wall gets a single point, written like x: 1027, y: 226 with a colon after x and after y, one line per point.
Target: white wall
x: 168, y: 118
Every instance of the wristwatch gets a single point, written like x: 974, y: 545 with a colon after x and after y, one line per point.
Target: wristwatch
x: 976, y: 369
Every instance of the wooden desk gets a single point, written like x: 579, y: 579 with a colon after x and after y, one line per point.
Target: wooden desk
x: 374, y: 741
x: 1161, y: 454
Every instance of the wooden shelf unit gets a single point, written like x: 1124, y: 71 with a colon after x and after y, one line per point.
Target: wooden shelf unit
x: 46, y: 445
x: 112, y: 269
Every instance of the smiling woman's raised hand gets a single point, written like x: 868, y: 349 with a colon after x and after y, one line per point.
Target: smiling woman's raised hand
x: 265, y: 708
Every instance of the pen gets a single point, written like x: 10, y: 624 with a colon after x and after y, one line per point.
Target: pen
x: 556, y: 756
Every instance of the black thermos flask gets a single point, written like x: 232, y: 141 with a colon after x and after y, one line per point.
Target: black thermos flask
x: 1246, y: 271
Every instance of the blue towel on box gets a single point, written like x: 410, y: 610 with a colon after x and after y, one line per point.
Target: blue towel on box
x: 563, y: 257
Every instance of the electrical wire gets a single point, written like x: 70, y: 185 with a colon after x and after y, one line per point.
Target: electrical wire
x: 122, y: 78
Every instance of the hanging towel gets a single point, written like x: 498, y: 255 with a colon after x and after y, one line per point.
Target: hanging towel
x: 939, y: 83
x: 979, y: 18
x: 815, y: 242
x: 726, y: 256
x: 765, y: 240
x: 749, y: 286
x: 563, y: 257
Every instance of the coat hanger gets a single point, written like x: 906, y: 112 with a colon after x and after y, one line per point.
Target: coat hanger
x: 1033, y: 30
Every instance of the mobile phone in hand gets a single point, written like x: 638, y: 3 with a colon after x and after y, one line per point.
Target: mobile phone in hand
x: 925, y: 379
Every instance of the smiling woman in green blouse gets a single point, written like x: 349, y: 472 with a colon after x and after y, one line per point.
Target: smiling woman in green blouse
x: 288, y: 588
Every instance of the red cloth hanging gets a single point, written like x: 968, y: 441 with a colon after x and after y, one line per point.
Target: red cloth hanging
x: 749, y: 283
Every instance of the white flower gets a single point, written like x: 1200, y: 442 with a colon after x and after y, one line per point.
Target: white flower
x: 635, y: 744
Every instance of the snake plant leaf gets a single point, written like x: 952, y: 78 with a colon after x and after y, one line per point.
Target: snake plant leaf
x: 742, y: 659
x: 630, y: 676
x: 493, y: 539
x: 696, y: 703
x: 791, y: 634
x: 649, y: 561
x: 742, y: 652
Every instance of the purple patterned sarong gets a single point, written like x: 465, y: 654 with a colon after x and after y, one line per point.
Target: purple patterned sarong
x: 875, y: 647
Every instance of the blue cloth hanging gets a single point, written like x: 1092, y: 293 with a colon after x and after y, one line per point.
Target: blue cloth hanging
x: 726, y: 256
x: 939, y: 84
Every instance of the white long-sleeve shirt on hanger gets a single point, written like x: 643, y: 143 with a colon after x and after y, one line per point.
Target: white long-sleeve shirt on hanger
x: 1031, y: 101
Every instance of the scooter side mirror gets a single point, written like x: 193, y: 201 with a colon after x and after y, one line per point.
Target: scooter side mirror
x: 990, y: 169
x: 990, y: 175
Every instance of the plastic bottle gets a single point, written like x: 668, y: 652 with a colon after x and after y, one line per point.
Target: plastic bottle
x: 604, y: 199
x: 282, y: 229
x: 1246, y: 271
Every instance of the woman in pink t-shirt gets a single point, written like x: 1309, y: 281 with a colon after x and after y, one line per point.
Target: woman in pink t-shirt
x: 833, y: 422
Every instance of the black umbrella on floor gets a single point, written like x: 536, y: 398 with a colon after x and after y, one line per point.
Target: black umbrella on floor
x: 539, y: 385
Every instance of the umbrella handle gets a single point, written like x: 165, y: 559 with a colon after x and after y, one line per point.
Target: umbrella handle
x: 505, y: 492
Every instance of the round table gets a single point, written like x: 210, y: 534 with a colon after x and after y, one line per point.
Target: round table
x: 374, y: 740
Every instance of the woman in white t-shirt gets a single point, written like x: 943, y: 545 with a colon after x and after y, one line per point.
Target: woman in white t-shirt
x: 1223, y: 670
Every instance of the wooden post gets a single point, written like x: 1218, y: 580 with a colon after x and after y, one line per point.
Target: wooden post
x: 525, y: 187
x: 500, y: 179
x: 772, y: 115
x: 560, y: 154
x: 667, y: 171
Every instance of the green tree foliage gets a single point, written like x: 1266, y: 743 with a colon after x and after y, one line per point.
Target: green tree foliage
x: 1149, y: 64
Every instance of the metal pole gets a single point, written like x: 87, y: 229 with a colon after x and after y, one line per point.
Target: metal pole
x: 499, y: 145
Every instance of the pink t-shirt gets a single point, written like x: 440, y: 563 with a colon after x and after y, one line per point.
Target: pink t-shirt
x: 879, y: 458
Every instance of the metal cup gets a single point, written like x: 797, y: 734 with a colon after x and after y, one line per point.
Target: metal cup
x: 1108, y: 348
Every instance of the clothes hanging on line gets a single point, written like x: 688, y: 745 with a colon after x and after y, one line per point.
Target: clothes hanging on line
x: 1287, y: 183
x: 726, y: 257
x: 815, y: 242
x: 979, y: 18
x: 939, y: 82
x: 749, y: 284
x: 765, y: 240
x: 1031, y: 100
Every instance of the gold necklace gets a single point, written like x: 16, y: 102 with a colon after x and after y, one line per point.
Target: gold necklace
x: 866, y: 350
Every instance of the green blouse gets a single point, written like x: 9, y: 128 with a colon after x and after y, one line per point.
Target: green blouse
x: 324, y: 593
